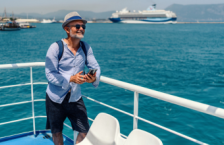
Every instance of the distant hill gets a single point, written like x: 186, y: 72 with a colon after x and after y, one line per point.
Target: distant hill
x: 202, y: 13
x: 59, y: 15
x: 85, y: 14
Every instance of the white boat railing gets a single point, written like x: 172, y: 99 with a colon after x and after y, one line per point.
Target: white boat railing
x: 204, y: 108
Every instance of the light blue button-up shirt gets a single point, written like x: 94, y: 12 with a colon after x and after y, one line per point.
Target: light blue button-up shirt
x: 58, y: 73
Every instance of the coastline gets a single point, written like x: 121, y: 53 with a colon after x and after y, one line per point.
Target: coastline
x: 200, y: 22
x: 106, y: 21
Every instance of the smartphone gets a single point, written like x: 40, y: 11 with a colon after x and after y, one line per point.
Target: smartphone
x: 92, y: 71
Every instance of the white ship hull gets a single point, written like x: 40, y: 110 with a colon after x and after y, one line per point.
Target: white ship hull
x: 144, y: 22
x: 46, y: 21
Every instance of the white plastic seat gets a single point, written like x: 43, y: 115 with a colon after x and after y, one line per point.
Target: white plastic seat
x: 105, y: 130
x: 140, y: 137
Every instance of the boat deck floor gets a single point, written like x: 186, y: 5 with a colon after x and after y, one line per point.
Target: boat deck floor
x: 44, y: 138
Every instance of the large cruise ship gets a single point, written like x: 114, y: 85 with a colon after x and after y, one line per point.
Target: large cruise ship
x: 151, y: 16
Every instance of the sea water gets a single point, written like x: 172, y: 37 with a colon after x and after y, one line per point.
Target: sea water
x: 185, y: 60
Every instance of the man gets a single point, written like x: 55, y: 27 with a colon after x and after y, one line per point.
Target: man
x: 65, y: 75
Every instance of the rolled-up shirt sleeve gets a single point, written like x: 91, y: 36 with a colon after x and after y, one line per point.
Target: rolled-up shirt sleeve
x: 93, y: 64
x: 51, y: 68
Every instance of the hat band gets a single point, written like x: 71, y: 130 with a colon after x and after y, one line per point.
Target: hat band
x: 74, y: 18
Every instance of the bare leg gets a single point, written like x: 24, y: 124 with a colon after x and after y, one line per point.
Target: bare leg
x: 80, y: 137
x: 58, y: 138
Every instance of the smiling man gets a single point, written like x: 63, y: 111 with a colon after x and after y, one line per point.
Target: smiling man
x: 64, y: 72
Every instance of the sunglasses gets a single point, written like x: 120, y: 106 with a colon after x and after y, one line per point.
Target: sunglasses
x: 77, y: 26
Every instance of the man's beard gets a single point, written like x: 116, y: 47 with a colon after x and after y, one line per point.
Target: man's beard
x: 76, y: 35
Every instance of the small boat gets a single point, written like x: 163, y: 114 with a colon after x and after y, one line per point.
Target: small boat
x: 10, y: 26
x: 25, y: 25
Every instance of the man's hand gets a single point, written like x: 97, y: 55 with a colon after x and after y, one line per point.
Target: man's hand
x: 90, y: 78
x: 78, y: 78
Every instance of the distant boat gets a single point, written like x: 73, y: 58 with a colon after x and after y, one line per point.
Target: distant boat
x: 10, y: 26
x: 47, y: 21
x: 54, y: 21
x: 26, y: 25
x: 149, y: 16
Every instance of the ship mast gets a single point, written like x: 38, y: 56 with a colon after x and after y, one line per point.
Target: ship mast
x: 12, y: 16
x: 5, y: 15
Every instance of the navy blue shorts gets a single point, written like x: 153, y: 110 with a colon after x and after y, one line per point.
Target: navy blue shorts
x: 57, y: 113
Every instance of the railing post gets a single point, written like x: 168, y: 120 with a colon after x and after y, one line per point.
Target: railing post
x: 31, y: 82
x: 135, y: 119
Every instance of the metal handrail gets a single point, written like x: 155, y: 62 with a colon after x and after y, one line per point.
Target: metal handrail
x: 129, y: 114
x: 149, y: 122
x: 218, y: 112
x: 211, y: 110
x: 21, y: 65
x: 208, y: 109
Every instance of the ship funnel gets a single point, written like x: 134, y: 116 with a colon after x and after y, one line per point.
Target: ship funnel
x: 152, y: 7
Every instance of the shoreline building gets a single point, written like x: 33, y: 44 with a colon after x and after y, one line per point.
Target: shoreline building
x: 27, y: 20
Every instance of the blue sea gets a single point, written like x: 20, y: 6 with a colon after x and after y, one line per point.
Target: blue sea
x: 185, y: 60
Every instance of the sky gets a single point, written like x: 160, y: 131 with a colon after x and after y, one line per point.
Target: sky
x: 46, y: 6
